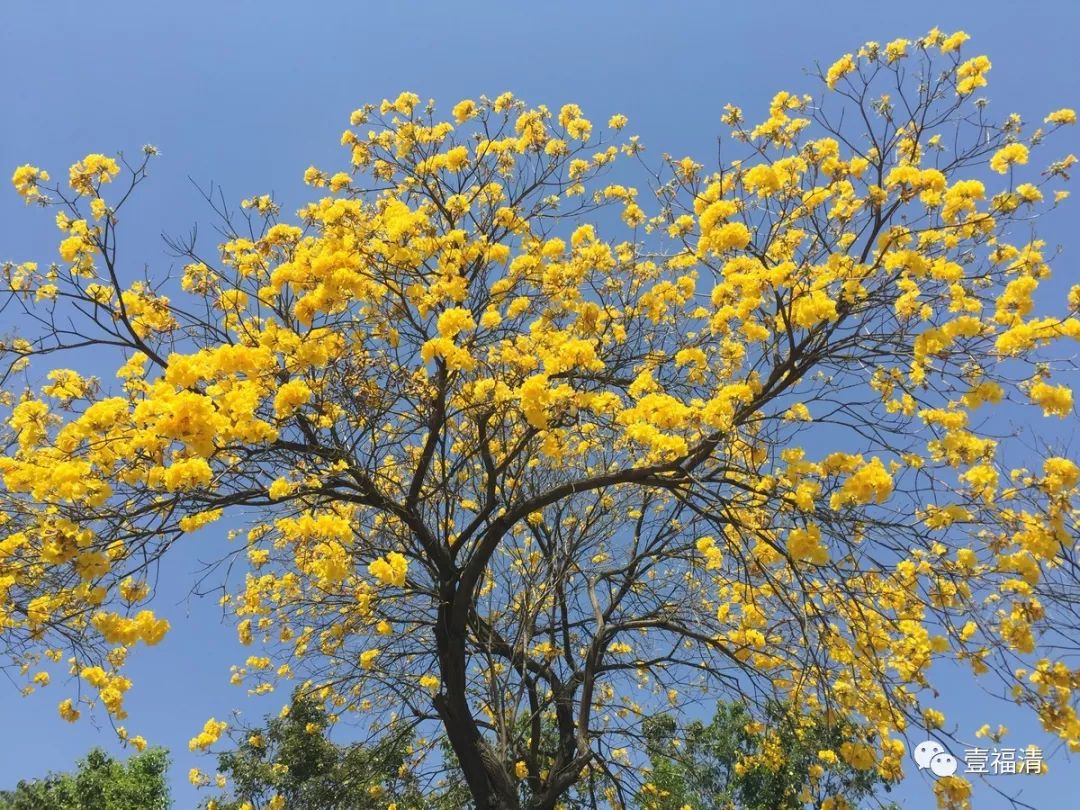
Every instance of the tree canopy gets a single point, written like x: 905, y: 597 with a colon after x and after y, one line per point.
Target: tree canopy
x: 732, y: 762
x: 291, y: 762
x: 100, y: 782
x: 514, y: 454
x: 786, y: 761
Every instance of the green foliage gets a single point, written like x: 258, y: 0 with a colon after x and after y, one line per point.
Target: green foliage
x: 725, y: 764
x: 100, y: 782
x: 694, y: 765
x: 293, y: 757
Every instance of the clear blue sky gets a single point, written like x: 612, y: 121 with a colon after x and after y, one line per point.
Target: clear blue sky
x: 248, y: 94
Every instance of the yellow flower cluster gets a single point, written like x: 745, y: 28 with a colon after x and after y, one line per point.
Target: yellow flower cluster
x: 1063, y: 116
x: 869, y: 483
x: 27, y: 180
x: 1055, y: 400
x: 111, y: 689
x: 805, y: 545
x: 1012, y: 155
x: 839, y: 69
x: 92, y: 171
x: 971, y: 75
x: 117, y: 629
x: 210, y: 734
x: 390, y: 569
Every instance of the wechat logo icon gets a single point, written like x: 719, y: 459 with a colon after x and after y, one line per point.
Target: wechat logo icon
x: 933, y: 756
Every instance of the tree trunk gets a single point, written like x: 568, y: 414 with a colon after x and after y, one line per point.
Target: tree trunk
x: 487, y: 779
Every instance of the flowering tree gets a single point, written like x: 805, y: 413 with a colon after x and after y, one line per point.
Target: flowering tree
x: 518, y: 455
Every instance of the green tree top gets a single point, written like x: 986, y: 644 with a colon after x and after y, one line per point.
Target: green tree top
x: 99, y: 782
x: 292, y: 762
x: 791, y: 761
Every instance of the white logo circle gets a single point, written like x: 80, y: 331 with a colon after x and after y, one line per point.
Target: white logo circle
x: 943, y: 764
x: 925, y: 752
